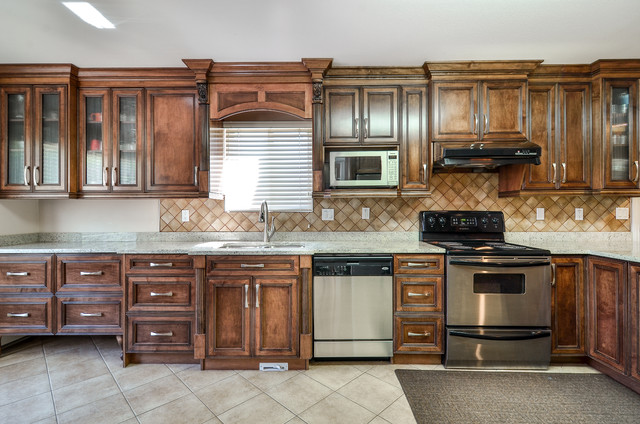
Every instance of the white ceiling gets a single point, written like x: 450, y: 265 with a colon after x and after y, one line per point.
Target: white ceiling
x: 353, y: 32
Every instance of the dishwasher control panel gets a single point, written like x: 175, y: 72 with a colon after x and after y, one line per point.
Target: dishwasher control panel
x: 327, y: 266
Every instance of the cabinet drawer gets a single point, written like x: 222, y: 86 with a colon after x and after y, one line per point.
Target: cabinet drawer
x: 419, y: 294
x: 20, y: 272
x: 418, y: 334
x: 89, y: 315
x: 160, y: 334
x: 159, y: 264
x: 89, y: 273
x: 26, y: 315
x: 418, y: 264
x: 161, y: 293
x: 252, y: 265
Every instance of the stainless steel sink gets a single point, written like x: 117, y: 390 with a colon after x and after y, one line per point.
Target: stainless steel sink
x: 260, y: 245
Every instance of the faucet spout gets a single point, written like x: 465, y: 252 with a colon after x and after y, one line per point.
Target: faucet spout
x: 264, y: 217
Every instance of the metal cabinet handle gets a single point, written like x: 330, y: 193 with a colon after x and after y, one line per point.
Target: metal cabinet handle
x: 17, y: 274
x: 257, y: 295
x: 420, y: 264
x: 195, y: 176
x: 36, y: 175
x: 251, y: 265
x: 366, y: 128
x: 90, y: 273
x: 22, y: 315
x: 105, y: 176
x: 475, y: 123
x: 26, y: 175
x: 564, y: 172
x: 167, y: 334
x: 412, y: 294
x: 424, y: 334
x: 486, y: 124
x: 114, y: 176
x: 424, y: 171
x: 635, y: 179
x: 357, y: 121
x: 555, y: 172
x: 167, y: 294
x: 84, y: 314
x: 553, y: 275
x: 167, y: 264
x: 246, y: 296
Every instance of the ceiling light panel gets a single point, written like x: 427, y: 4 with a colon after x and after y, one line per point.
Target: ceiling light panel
x: 89, y: 14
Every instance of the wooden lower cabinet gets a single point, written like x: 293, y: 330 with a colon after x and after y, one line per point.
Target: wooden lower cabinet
x: 419, y: 334
x: 567, y: 308
x: 26, y: 315
x: 95, y: 315
x: 634, y: 320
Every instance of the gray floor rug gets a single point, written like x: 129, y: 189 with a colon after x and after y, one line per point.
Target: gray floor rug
x: 506, y: 397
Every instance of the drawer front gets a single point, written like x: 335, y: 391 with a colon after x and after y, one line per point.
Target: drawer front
x: 26, y: 273
x: 418, y: 294
x: 418, y: 334
x: 252, y: 265
x: 419, y: 264
x: 160, y: 334
x: 26, y: 315
x: 159, y: 264
x: 89, y: 273
x: 93, y: 315
x: 161, y: 293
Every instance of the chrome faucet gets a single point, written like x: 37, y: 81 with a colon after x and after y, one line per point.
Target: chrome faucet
x: 264, y: 217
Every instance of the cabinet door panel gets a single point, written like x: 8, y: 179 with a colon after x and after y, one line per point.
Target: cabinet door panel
x: 95, y: 164
x: 276, y: 316
x: 542, y: 116
x: 380, y: 115
x: 419, y: 334
x: 634, y: 319
x: 16, y: 139
x: 420, y: 294
x: 89, y: 273
x: 229, y: 303
x: 567, y: 307
x: 455, y: 111
x: 128, y: 132
x: 160, y: 334
x: 26, y: 273
x: 342, y: 115
x: 50, y: 144
x: 22, y: 315
x: 89, y: 315
x: 503, y: 111
x: 161, y: 293
x: 575, y: 141
x: 415, y: 147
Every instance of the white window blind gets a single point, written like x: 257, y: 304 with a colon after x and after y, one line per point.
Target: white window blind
x: 255, y: 161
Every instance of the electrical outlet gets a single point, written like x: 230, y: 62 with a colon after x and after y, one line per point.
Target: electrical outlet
x: 579, y: 214
x: 622, y: 213
x: 365, y: 213
x: 540, y: 214
x: 185, y: 215
x: 327, y: 214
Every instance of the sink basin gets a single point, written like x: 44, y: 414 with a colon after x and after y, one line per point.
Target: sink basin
x: 260, y: 245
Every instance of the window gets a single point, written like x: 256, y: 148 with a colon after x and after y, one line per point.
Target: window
x: 256, y: 161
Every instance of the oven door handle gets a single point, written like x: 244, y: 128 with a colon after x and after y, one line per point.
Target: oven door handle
x: 500, y: 264
x: 523, y: 335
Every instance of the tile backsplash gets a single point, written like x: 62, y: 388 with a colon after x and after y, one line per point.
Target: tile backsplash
x: 456, y: 191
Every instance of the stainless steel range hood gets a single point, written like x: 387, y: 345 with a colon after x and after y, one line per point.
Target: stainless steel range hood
x: 487, y: 155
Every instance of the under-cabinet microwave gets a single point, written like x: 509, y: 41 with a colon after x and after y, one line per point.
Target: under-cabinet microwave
x: 363, y: 168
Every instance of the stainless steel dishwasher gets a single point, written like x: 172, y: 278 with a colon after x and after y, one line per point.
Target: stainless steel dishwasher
x: 352, y: 306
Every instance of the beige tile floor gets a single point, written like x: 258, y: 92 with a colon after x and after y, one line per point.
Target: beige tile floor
x: 79, y: 379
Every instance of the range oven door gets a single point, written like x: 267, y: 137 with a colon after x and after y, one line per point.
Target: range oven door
x: 498, y: 291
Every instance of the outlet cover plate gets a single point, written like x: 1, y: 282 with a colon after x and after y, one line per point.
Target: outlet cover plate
x: 185, y: 215
x: 579, y: 214
x: 622, y: 213
x: 327, y: 214
x: 540, y: 214
x: 365, y: 213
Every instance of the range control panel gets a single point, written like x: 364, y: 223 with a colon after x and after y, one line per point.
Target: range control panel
x: 461, y: 222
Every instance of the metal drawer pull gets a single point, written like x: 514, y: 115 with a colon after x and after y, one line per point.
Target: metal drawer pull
x: 412, y: 294
x: 412, y: 334
x: 90, y: 273
x: 555, y: 173
x: 161, y: 264
x: 475, y: 123
x: 17, y: 274
x: 564, y: 172
x: 167, y: 294
x: 26, y: 175
x: 257, y: 295
x: 84, y: 314
x: 167, y: 334
x: 105, y: 176
x: 24, y: 315
x: 36, y: 175
x: 635, y: 179
x: 246, y: 296
x: 251, y: 265
x: 423, y: 264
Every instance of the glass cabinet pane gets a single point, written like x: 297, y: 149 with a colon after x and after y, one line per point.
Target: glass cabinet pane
x: 16, y: 138
x: 619, y: 127
x: 50, y: 139
x: 127, y: 141
x: 93, y: 142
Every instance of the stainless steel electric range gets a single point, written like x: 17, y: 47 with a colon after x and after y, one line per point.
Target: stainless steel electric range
x: 498, y: 294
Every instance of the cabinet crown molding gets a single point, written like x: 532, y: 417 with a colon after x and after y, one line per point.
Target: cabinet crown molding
x: 480, y: 68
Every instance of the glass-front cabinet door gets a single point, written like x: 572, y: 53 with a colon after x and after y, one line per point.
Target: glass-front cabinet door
x: 48, y: 173
x: 16, y: 139
x: 621, y: 144
x: 93, y: 139
x: 128, y: 116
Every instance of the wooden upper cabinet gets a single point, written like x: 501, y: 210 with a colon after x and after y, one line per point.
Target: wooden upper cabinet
x: 414, y: 148
x: 503, y: 110
x: 455, y: 111
x: 574, y: 136
x: 173, y: 147
x: 95, y: 140
x: 542, y: 127
x: 356, y: 115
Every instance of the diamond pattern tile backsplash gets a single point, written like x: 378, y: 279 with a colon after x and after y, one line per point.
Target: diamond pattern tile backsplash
x: 458, y: 191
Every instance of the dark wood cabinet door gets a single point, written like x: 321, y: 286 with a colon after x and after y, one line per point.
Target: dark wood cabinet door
x: 50, y: 142
x: 567, y: 307
x: 455, y: 111
x: 16, y: 138
x: 634, y: 319
x: 342, y: 116
x: 542, y: 117
x: 276, y: 316
x: 94, y: 141
x: 606, y: 308
x: 172, y: 141
x: 228, y: 304
x: 574, y: 136
x: 415, y: 146
x: 379, y: 115
x: 127, y: 134
x: 503, y: 110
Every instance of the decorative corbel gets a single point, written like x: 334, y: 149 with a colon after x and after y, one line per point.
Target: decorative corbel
x: 200, y: 68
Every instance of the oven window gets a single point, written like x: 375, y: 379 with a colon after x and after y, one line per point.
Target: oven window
x: 498, y: 283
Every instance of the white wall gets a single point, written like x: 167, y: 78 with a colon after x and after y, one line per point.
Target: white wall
x: 99, y: 215
x: 19, y: 216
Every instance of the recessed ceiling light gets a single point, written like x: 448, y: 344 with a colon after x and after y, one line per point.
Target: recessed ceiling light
x: 89, y: 14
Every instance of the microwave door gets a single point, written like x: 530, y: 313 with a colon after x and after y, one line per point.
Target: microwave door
x: 369, y: 169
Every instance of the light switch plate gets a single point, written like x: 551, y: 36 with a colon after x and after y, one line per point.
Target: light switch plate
x: 579, y: 214
x: 622, y: 213
x: 365, y: 213
x: 185, y: 215
x: 540, y: 214
x: 327, y: 214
